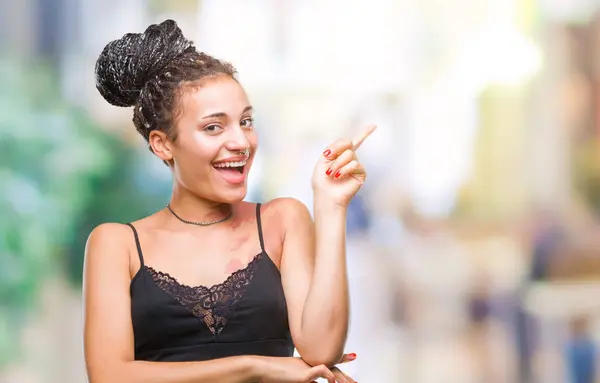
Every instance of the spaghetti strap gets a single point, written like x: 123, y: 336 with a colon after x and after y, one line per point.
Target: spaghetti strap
x: 137, y: 244
x: 260, y: 234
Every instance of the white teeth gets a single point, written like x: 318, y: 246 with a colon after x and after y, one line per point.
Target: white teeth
x: 230, y: 164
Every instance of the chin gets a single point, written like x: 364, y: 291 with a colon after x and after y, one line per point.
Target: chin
x: 232, y: 196
x: 230, y: 186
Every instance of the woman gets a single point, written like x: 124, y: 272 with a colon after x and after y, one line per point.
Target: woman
x: 276, y: 279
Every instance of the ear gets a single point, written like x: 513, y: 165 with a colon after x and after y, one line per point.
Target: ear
x: 161, y: 145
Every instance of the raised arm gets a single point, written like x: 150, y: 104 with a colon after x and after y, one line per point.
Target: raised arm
x: 313, y: 263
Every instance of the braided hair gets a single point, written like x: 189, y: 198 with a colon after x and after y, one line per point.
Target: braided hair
x: 148, y: 71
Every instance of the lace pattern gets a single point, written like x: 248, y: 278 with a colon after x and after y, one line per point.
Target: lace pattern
x: 213, y: 305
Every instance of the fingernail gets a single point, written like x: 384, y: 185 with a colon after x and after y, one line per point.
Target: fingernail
x: 329, y: 171
x: 338, y: 174
x: 327, y: 153
x: 353, y: 355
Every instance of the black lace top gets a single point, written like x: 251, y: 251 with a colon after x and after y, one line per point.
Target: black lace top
x: 244, y: 315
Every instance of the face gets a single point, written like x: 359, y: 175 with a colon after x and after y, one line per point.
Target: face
x: 214, y: 130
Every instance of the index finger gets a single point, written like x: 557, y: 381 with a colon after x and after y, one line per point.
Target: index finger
x: 358, y: 140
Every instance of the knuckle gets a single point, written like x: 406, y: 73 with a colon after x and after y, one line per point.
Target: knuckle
x: 348, y: 152
x: 342, y: 144
x: 346, y: 156
x: 336, y: 165
x: 340, y: 162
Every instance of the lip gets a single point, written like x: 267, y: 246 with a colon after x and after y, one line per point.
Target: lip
x: 232, y: 178
x: 232, y: 159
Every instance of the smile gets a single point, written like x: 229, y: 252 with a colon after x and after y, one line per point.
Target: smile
x: 227, y: 166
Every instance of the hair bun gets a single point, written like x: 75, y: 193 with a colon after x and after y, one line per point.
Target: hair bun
x: 126, y: 64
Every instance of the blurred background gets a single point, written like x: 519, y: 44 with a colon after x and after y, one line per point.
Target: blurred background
x: 474, y: 247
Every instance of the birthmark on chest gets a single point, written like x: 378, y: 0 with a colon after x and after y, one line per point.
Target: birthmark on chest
x: 234, y: 265
x: 238, y: 243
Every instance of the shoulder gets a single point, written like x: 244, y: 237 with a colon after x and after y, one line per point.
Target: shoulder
x: 286, y: 207
x: 114, y: 233
x: 109, y: 232
x: 108, y: 240
x: 106, y: 269
x: 289, y: 211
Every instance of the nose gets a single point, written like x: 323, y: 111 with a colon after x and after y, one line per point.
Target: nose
x: 237, y: 140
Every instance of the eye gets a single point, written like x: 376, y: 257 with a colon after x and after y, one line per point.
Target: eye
x: 247, y: 122
x: 212, y: 129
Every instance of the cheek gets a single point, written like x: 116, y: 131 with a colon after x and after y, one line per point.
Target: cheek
x: 197, y: 148
x: 193, y: 153
x: 252, y: 139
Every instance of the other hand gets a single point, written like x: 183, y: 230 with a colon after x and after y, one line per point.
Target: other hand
x: 339, y: 174
x: 295, y: 370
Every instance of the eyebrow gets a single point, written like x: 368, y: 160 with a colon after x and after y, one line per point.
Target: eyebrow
x: 221, y: 114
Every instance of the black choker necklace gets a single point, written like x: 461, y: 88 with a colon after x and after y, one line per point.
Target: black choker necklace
x: 200, y: 223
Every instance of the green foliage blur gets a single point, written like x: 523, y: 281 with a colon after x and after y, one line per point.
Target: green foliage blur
x: 60, y: 176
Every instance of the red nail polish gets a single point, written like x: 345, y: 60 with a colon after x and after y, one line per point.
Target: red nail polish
x: 353, y: 355
x: 338, y: 174
x: 327, y: 153
x: 329, y: 171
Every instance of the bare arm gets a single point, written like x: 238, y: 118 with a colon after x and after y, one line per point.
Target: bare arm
x: 108, y: 334
x: 313, y: 263
x: 313, y: 269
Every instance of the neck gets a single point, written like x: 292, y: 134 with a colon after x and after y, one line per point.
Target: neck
x: 192, y: 208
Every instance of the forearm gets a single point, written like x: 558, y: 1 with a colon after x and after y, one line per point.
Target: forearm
x: 226, y: 370
x: 326, y: 310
